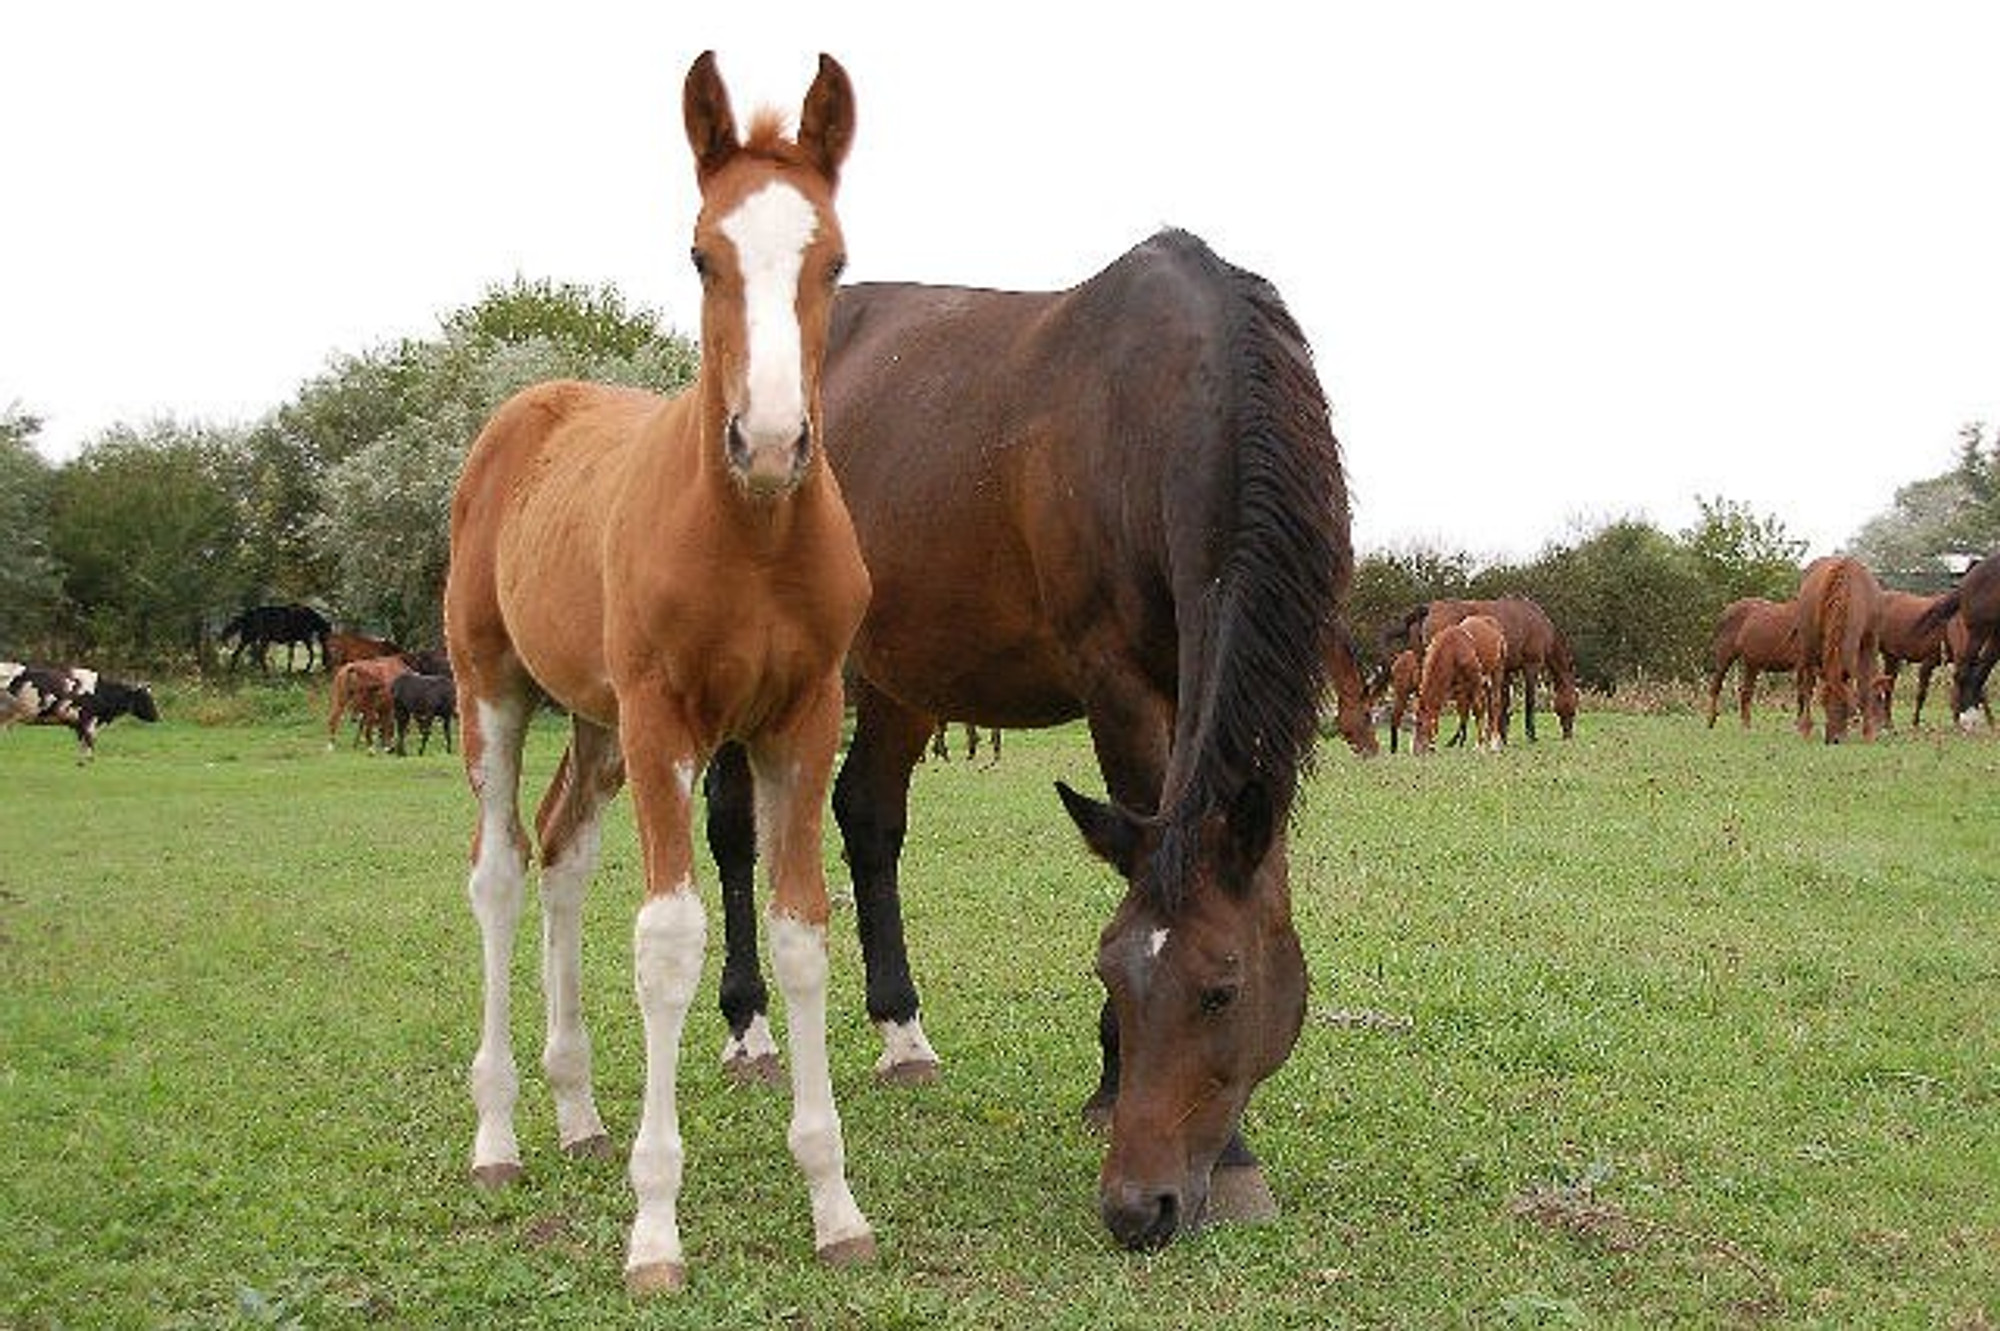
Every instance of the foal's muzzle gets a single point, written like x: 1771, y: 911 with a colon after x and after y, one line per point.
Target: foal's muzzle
x: 767, y: 466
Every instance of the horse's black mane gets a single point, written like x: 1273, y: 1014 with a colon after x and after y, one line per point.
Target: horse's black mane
x: 1285, y: 573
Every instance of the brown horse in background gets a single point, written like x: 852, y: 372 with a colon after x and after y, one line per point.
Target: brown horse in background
x: 676, y: 573
x: 1838, y: 599
x: 1533, y: 644
x: 1902, y: 635
x: 1976, y: 601
x: 1404, y: 676
x: 1761, y: 634
x: 1350, y: 693
x: 1462, y: 667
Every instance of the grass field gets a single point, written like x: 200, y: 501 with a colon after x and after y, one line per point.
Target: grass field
x: 1661, y: 1025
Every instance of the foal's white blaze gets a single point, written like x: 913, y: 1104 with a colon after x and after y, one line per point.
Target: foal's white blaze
x: 798, y: 958
x: 667, y: 941
x: 770, y: 231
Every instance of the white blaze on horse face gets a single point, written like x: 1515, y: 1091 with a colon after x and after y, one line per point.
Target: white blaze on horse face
x: 770, y: 231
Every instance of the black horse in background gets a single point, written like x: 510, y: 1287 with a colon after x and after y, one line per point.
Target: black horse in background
x: 260, y: 627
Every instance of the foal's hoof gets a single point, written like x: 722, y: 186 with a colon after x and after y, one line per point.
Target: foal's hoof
x: 857, y: 1251
x: 915, y: 1072
x: 596, y: 1147
x: 655, y: 1278
x: 758, y: 1070
x: 494, y: 1177
x: 1238, y: 1195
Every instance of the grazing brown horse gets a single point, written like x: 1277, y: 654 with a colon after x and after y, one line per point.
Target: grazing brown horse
x: 361, y: 689
x: 345, y: 645
x: 1533, y: 645
x: 1124, y: 502
x: 1350, y: 693
x: 1762, y: 635
x: 1463, y: 666
x: 1837, y: 607
x: 1404, y: 676
x: 1900, y: 639
x: 677, y: 573
x: 1976, y: 601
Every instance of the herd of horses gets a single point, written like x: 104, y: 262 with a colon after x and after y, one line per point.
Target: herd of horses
x: 1850, y: 637
x: 1121, y: 502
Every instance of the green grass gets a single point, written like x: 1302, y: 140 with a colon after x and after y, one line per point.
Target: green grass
x: 1662, y: 1025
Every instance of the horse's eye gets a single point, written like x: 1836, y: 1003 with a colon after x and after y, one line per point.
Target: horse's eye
x: 835, y: 269
x: 700, y: 262
x: 1217, y: 997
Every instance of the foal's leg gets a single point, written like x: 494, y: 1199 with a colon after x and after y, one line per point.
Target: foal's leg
x: 667, y: 941
x: 1715, y: 693
x: 792, y: 769
x: 494, y: 731
x: 568, y: 828
x: 1747, y: 693
x: 871, y: 801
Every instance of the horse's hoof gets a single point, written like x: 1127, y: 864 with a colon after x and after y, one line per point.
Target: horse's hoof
x: 761, y: 1070
x: 857, y: 1251
x: 1238, y: 1195
x: 492, y: 1178
x: 594, y: 1147
x: 915, y: 1072
x: 655, y: 1278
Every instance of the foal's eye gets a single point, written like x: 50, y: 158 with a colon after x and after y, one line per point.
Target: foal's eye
x: 835, y: 269
x: 1217, y: 997
x: 700, y: 262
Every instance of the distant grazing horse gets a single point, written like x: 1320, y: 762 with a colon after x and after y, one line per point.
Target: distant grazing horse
x: 1401, y: 680
x: 1159, y: 544
x: 72, y: 696
x: 1837, y: 607
x: 1976, y: 600
x: 257, y: 628
x: 1957, y: 643
x: 1533, y: 644
x: 676, y: 574
x: 1898, y: 637
x: 1464, y: 664
x: 423, y: 699
x: 1762, y: 635
x: 345, y: 645
x: 1350, y: 693
x: 941, y: 747
x: 362, y: 690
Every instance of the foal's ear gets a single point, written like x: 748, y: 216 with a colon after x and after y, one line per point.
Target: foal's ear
x: 711, y: 125
x: 826, y: 125
x: 1111, y: 833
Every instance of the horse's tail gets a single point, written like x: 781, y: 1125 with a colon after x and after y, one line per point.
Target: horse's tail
x: 1938, y: 611
x: 1286, y: 571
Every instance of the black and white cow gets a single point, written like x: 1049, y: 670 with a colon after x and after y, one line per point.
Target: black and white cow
x: 70, y: 696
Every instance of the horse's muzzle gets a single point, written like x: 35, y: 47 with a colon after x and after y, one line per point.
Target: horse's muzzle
x: 1139, y: 1217
x: 767, y: 467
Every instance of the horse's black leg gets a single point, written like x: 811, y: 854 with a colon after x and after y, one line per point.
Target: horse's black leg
x: 751, y: 1054
x: 871, y: 802
x: 1528, y: 674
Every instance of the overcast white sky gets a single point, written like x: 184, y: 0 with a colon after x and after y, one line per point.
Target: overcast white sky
x: 1559, y: 262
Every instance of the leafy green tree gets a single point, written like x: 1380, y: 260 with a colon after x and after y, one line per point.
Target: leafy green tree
x: 1740, y: 554
x: 1387, y: 584
x: 30, y: 579
x: 144, y: 524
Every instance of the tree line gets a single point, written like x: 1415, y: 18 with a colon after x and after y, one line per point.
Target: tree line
x: 138, y: 550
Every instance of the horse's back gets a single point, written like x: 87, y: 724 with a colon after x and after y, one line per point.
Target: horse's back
x: 1013, y: 461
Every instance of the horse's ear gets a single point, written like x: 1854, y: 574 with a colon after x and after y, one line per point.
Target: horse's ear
x: 711, y: 125
x: 1111, y: 833
x: 826, y: 125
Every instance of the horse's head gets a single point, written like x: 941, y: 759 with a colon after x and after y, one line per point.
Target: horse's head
x: 1207, y: 984
x: 768, y: 249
